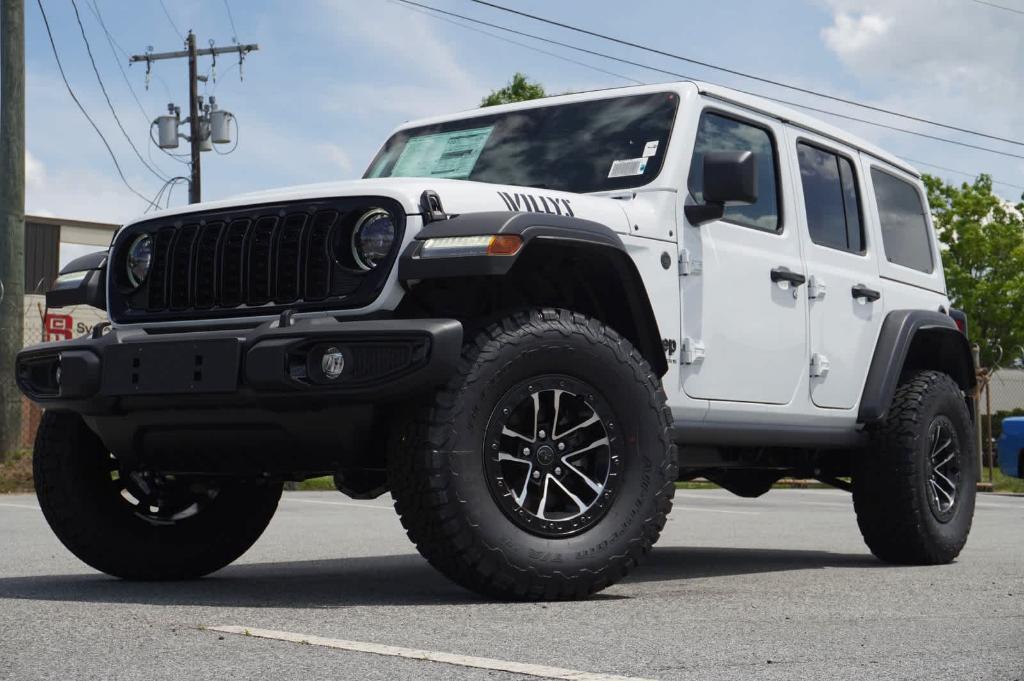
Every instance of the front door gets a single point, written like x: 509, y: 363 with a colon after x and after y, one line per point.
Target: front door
x: 845, y: 309
x: 744, y: 315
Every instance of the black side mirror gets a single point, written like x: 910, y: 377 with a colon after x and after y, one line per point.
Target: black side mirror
x: 729, y: 176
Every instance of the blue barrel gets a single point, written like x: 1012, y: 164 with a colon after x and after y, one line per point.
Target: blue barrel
x: 1011, y: 447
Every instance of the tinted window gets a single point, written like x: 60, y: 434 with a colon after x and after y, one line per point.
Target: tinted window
x: 830, y: 199
x: 904, y: 226
x: 718, y: 133
x: 580, y: 147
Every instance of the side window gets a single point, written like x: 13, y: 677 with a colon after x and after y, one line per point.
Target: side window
x: 904, y: 226
x: 830, y: 199
x: 719, y: 133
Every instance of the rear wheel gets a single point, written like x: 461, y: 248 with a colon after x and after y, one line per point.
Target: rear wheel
x: 137, y: 525
x: 914, y: 488
x: 545, y: 468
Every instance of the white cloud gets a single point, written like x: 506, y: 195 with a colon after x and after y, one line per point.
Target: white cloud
x: 35, y: 172
x: 335, y: 155
x: 852, y: 34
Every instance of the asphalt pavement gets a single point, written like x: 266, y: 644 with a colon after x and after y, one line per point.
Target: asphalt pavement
x: 779, y: 587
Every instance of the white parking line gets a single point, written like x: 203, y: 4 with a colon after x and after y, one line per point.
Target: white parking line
x: 31, y: 507
x: 701, y: 509
x: 339, y: 503
x: 540, y: 671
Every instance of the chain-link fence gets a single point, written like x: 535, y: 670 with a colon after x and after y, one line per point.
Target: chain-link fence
x: 42, y: 325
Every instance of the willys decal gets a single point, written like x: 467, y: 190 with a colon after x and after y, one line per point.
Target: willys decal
x: 528, y: 203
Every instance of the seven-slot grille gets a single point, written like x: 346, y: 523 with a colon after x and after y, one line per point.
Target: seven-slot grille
x: 258, y: 257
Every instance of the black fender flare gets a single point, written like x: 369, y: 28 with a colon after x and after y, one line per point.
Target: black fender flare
x: 91, y: 289
x: 536, y: 230
x: 948, y: 350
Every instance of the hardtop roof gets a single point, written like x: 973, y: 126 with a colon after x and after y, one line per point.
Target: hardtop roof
x: 753, y: 102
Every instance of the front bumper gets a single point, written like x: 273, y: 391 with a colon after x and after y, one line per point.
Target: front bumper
x: 260, y: 389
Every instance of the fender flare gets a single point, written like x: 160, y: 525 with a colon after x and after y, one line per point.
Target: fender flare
x: 899, y: 330
x: 536, y: 230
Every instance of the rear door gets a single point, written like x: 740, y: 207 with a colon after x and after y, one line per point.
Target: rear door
x: 744, y: 334
x: 844, y: 293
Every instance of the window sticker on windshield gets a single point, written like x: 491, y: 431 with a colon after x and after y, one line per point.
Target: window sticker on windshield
x: 446, y: 154
x: 651, y: 148
x: 628, y: 167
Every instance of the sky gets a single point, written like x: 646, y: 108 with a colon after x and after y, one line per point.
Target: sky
x: 332, y: 78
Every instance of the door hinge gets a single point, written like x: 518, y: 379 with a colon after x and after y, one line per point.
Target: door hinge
x: 819, y: 366
x: 691, y: 352
x: 816, y: 288
x: 688, y: 265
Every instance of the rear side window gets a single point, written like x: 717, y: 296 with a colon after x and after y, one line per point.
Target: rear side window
x: 830, y: 199
x: 904, y: 226
x: 720, y: 133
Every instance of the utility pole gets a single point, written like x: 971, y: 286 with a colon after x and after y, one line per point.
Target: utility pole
x: 196, y: 132
x: 12, y: 216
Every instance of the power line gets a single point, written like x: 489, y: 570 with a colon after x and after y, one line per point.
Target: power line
x: 992, y: 4
x: 412, y: 3
x: 961, y: 172
x: 170, y: 20
x: 231, y: 20
x: 106, y: 96
x: 676, y: 74
x: 742, y: 74
x: 523, y: 45
x: 60, y: 67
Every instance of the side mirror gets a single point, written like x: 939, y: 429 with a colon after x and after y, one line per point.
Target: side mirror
x: 729, y: 176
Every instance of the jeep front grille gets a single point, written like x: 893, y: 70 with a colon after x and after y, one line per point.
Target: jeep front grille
x: 254, y: 260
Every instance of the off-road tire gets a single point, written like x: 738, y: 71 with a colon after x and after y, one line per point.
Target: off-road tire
x: 891, y: 477
x: 74, y: 487
x: 437, y: 465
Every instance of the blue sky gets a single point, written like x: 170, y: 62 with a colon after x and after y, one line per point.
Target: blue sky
x: 333, y: 77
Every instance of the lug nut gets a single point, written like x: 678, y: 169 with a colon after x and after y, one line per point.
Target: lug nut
x: 526, y: 451
x: 558, y: 470
x: 542, y: 434
x: 536, y: 475
x: 561, y: 446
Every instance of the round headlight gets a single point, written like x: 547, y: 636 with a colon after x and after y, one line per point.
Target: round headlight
x: 140, y: 258
x: 372, y: 238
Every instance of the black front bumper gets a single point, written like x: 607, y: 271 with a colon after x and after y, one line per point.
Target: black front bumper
x: 192, y: 395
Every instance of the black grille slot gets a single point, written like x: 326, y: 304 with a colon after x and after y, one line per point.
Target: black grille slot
x: 261, y: 239
x: 158, y: 270
x: 318, y: 255
x: 253, y: 260
x: 205, y: 286
x: 289, y: 250
x: 181, y: 266
x: 232, y: 270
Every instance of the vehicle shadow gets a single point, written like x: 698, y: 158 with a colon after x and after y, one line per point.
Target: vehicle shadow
x: 388, y: 580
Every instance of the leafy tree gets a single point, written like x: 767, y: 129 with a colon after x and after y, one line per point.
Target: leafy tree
x: 983, y: 257
x: 519, y: 89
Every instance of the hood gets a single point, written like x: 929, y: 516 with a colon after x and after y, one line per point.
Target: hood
x: 457, y: 197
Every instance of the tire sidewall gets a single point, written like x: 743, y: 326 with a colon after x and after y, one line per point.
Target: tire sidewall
x: 636, y: 424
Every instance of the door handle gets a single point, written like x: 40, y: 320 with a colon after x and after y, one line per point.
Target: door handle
x: 785, y: 274
x: 868, y: 294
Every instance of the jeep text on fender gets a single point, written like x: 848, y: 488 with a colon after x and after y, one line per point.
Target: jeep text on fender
x: 527, y: 322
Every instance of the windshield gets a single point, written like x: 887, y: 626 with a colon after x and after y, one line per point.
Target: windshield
x: 581, y: 147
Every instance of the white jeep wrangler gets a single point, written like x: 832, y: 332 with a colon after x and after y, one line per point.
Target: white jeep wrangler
x: 528, y: 322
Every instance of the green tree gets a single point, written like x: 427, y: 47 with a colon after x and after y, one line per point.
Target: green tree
x: 519, y: 89
x: 983, y: 257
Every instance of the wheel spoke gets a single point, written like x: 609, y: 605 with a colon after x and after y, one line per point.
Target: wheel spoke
x: 505, y: 456
x: 589, y: 422
x: 938, y: 488
x: 543, y: 499
x: 511, y: 433
x: 598, y: 488
x: 593, y: 445
x: 937, y: 466
x: 579, y: 502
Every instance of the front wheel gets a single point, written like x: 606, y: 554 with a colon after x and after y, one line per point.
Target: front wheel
x: 914, y: 488
x: 545, y: 468
x: 141, y: 526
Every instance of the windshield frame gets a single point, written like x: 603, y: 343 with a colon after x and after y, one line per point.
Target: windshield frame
x: 484, y: 117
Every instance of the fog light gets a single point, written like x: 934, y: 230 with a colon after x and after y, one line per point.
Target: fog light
x: 332, y: 363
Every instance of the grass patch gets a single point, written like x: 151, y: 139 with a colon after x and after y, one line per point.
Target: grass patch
x: 1004, y: 483
x: 16, y: 472
x: 324, y: 484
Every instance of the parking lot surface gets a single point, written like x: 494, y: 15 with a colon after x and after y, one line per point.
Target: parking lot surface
x: 779, y: 587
